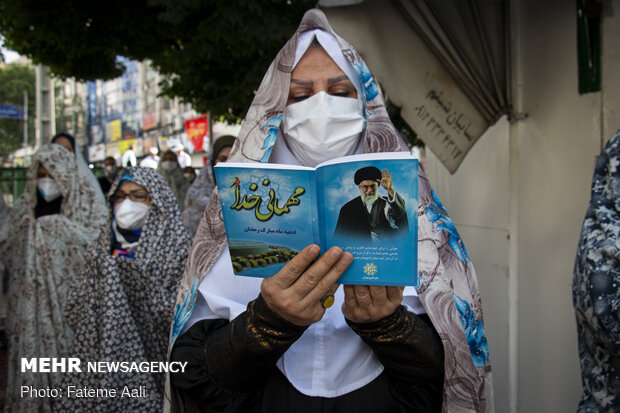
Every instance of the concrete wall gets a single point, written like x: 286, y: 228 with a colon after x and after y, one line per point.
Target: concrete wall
x: 519, y: 199
x: 477, y: 199
x: 611, y: 69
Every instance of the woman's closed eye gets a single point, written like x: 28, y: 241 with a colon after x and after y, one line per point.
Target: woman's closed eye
x: 345, y: 93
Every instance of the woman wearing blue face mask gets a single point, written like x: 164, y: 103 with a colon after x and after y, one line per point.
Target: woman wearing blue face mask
x: 43, y: 244
x: 122, y: 305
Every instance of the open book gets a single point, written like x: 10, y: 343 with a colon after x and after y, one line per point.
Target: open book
x: 272, y: 211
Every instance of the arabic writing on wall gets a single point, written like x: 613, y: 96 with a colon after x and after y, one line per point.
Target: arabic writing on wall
x: 448, y: 126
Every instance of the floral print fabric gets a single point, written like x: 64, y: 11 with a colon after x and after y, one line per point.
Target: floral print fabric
x: 177, y: 183
x: 43, y: 256
x: 596, y: 287
x: 197, y: 198
x: 121, y: 308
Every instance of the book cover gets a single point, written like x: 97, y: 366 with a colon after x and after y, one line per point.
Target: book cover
x: 271, y: 212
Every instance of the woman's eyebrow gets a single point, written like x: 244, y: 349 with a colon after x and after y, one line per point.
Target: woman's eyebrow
x: 303, y: 82
x: 337, y: 79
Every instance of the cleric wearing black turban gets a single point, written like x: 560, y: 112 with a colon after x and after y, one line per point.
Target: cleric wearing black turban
x: 371, y: 217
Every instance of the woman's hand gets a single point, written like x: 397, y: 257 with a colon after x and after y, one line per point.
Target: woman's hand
x: 295, y: 292
x: 368, y: 303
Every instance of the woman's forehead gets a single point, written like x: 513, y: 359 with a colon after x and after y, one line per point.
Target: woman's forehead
x: 129, y: 186
x: 316, y: 63
x: 62, y: 141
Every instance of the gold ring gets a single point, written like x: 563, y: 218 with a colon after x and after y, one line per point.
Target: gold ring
x: 328, y: 300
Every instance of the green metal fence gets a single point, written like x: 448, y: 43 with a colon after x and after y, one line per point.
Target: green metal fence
x: 12, y: 183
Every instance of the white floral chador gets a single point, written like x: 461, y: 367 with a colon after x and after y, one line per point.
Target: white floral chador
x: 43, y: 256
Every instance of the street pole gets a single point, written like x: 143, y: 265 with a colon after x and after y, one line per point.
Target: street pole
x: 25, y: 118
x: 210, y: 130
x: 45, y: 109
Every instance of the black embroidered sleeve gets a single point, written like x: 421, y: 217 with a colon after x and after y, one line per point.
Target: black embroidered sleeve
x: 227, y: 362
x: 411, y: 352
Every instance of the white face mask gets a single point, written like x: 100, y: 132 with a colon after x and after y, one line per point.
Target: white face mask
x: 48, y: 188
x: 168, y: 165
x: 323, y: 127
x: 188, y: 176
x: 130, y: 214
x: 110, y: 170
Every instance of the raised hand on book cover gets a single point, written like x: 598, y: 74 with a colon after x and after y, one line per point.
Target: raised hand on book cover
x: 386, y: 182
x: 295, y: 292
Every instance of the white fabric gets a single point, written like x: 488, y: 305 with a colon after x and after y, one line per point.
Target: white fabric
x: 110, y: 171
x: 129, y: 159
x: 332, y: 47
x: 281, y: 154
x: 88, y: 173
x: 43, y: 256
x: 184, y: 159
x: 125, y: 245
x: 48, y: 188
x: 130, y: 214
x: 323, y: 127
x: 168, y: 165
x: 150, y: 162
x: 329, y: 359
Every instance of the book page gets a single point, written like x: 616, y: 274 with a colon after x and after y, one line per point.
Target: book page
x: 269, y: 215
x: 357, y: 213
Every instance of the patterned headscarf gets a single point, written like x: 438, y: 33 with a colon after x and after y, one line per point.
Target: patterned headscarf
x: 596, y: 287
x: 175, y: 179
x: 446, y: 284
x: 201, y: 189
x: 43, y: 256
x: 81, y: 164
x: 121, y: 308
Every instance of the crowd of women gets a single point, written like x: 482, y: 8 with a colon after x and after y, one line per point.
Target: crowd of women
x: 92, y: 275
x: 97, y: 278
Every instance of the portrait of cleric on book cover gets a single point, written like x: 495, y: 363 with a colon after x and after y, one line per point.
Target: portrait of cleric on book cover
x: 372, y: 209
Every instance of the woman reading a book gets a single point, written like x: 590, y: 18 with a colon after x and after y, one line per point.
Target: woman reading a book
x: 278, y: 344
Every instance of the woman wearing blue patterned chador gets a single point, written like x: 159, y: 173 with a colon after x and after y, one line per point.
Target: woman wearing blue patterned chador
x: 121, y: 307
x: 275, y: 345
x: 596, y: 287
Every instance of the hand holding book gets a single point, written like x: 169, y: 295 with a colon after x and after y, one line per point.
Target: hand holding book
x: 369, y: 303
x: 295, y: 292
x: 271, y: 211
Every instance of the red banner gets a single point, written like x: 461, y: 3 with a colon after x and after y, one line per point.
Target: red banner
x: 149, y: 121
x: 197, y: 129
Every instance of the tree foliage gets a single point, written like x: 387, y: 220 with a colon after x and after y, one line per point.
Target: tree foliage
x: 15, y: 79
x: 212, y: 53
